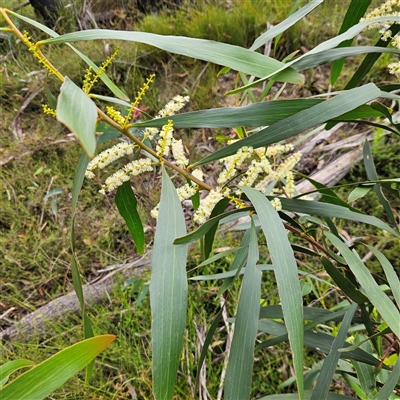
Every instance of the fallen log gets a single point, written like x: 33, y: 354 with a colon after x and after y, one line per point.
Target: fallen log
x: 35, y: 322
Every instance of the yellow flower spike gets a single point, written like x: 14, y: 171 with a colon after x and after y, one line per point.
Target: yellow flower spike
x: 115, y: 115
x: 139, y: 97
x: 32, y: 47
x: 90, y: 80
x: 87, y: 80
x: 49, y: 111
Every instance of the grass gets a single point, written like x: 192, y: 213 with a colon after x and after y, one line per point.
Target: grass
x: 34, y: 234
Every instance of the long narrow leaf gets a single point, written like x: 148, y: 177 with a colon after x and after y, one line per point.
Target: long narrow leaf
x: 318, y: 341
x: 373, y: 176
x: 370, y: 59
x: 329, y: 44
x: 240, y: 366
x: 354, y: 12
x: 375, y: 294
x: 344, y: 284
x: 332, y: 210
x: 301, y: 121
x: 339, y: 54
x: 390, y: 273
x: 258, y: 114
x: 76, y: 277
x: 231, y: 56
x: 209, y: 236
x: 44, y: 378
x: 365, y: 372
x: 285, y: 25
x: 11, y: 366
x: 286, y: 274
x: 390, y: 384
x: 126, y: 202
x: 328, y: 369
x: 168, y: 291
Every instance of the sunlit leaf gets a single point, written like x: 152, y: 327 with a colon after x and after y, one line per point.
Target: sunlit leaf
x: 391, y: 276
x: 328, y: 369
x: 286, y: 274
x: 168, y: 291
x: 235, y: 57
x: 11, y: 366
x: 301, y: 121
x: 79, y: 114
x: 44, y: 378
x: 285, y: 24
x: 241, y: 356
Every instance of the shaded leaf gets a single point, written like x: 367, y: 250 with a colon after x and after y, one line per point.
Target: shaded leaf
x: 375, y: 294
x: 365, y: 372
x: 332, y: 210
x: 344, y: 284
x: 315, y: 340
x: 370, y: 59
x: 203, y: 229
x: 209, y: 236
x: 354, y: 12
x: 373, y: 176
x: 126, y: 202
x: 307, y: 396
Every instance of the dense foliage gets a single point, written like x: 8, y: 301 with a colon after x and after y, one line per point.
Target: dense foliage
x: 358, y: 333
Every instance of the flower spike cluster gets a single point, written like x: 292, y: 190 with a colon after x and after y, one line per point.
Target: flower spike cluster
x: 108, y: 156
x: 171, y: 108
x: 165, y: 143
x: 134, y: 168
x: 138, y: 98
x: 250, y: 167
x: 90, y: 79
